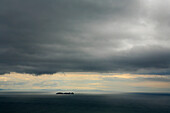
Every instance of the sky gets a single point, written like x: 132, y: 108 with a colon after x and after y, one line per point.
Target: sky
x: 109, y: 45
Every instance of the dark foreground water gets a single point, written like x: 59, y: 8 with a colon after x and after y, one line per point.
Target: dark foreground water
x: 81, y: 103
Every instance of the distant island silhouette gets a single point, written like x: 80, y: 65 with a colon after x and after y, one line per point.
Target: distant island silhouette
x: 65, y: 93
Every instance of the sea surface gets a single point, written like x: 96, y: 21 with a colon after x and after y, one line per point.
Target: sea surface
x: 24, y: 102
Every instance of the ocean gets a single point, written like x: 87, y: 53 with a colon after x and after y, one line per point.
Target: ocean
x: 19, y: 102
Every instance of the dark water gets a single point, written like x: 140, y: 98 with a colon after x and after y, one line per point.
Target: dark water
x: 81, y: 103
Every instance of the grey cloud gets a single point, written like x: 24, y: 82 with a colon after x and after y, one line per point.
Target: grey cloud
x: 4, y: 83
x: 46, y: 83
x: 40, y: 36
x: 154, y: 79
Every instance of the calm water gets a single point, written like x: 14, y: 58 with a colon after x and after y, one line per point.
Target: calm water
x: 84, y: 103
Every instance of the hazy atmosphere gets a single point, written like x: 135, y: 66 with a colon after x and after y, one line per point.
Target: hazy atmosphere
x: 84, y: 56
x: 104, y: 45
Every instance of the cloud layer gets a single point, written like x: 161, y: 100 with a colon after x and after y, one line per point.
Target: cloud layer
x: 86, y: 81
x: 40, y: 36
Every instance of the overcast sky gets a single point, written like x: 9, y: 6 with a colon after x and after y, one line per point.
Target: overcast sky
x: 99, y: 45
x: 120, y: 36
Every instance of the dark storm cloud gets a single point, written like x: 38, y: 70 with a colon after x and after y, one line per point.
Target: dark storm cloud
x: 40, y: 36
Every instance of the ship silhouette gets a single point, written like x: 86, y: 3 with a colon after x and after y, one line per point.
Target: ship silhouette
x: 69, y: 93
